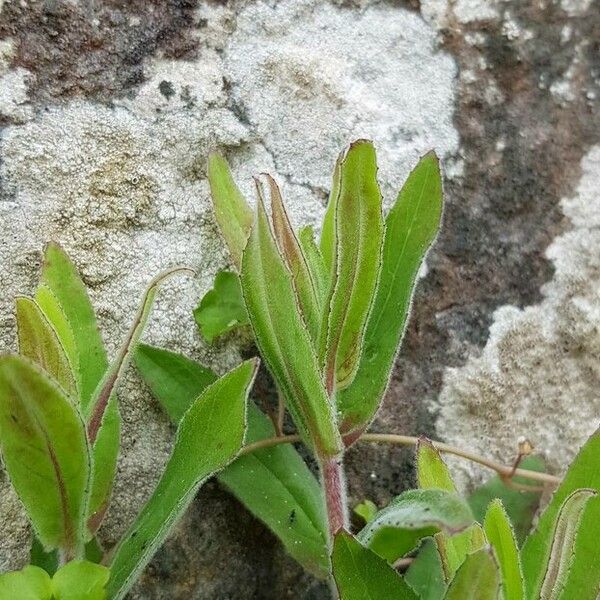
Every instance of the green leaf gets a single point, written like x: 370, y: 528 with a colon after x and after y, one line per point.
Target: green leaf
x: 410, y: 229
x: 316, y: 264
x: 327, y: 243
x: 520, y: 506
x: 39, y: 342
x: 425, y: 574
x: 30, y: 583
x: 500, y: 535
x: 362, y: 575
x: 175, y: 380
x: 38, y: 557
x: 366, y: 510
x: 304, y: 284
x: 80, y: 580
x: 358, y: 236
x: 231, y: 210
x: 582, y: 582
x: 476, y: 579
x: 283, y: 339
x: 222, y: 308
x: 560, y: 557
x: 453, y: 550
x: 45, y: 452
x: 60, y: 277
x: 64, y: 300
x: 423, y: 512
x: 209, y: 437
x: 288, y: 499
x: 432, y: 471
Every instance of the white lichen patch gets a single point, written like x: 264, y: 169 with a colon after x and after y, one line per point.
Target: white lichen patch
x: 539, y: 374
x: 13, y: 95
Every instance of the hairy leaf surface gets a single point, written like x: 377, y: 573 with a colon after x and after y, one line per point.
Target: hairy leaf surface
x: 500, y: 535
x: 410, y: 228
x: 231, y: 210
x: 476, y: 579
x: 288, y: 499
x: 209, y: 436
x: 582, y: 582
x: 221, y: 309
x: 362, y: 575
x: 425, y: 574
x: 358, y: 242
x: 38, y: 341
x: 45, y: 452
x: 30, y: 583
x: 432, y: 471
x: 283, y: 338
x: 415, y: 514
x: 80, y: 580
x: 315, y: 262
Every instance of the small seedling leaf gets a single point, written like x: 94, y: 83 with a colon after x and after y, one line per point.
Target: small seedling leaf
x: 30, y: 583
x: 80, y: 580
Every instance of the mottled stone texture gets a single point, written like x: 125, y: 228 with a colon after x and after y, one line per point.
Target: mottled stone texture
x: 108, y: 110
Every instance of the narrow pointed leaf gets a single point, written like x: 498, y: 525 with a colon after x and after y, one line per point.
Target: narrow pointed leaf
x: 415, y: 514
x: 501, y: 537
x: 327, y: 243
x: 582, y: 582
x: 209, y: 436
x: 221, y: 309
x: 520, y: 506
x: 80, y: 580
x: 288, y: 499
x: 283, y: 339
x: 60, y: 276
x: 476, y: 579
x: 315, y: 262
x: 362, y: 575
x: 30, y: 583
x: 432, y: 471
x: 561, y: 555
x: 358, y: 236
x: 231, y: 210
x: 304, y: 284
x: 410, y: 229
x: 45, y: 452
x: 39, y: 342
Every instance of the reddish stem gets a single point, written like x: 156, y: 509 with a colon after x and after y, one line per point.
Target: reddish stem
x: 334, y: 486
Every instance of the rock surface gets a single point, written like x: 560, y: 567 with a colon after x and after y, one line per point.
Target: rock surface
x: 108, y: 111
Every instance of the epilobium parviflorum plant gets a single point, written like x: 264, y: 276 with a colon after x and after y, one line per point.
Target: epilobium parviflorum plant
x: 327, y: 319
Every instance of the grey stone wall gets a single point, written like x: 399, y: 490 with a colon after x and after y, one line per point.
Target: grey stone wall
x: 108, y: 110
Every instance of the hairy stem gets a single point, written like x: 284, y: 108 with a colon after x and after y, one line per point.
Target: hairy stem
x: 504, y: 471
x: 334, y: 487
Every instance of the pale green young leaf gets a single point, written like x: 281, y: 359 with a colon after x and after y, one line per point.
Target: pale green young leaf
x: 80, y: 580
x: 415, y: 514
x: 316, y: 264
x: 45, y: 452
x: 520, y: 506
x: 283, y: 338
x: 432, y: 471
x: 582, y: 582
x: 367, y: 510
x: 38, y: 341
x: 362, y: 575
x: 288, y: 499
x: 304, y: 284
x: 453, y: 550
x: 561, y: 554
x: 209, y: 436
x: 222, y: 308
x: 425, y: 574
x: 30, y: 583
x: 357, y: 261
x: 476, y: 579
x: 410, y: 229
x: 500, y: 535
x: 231, y: 210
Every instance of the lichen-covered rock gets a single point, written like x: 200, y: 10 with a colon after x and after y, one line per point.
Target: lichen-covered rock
x: 108, y: 111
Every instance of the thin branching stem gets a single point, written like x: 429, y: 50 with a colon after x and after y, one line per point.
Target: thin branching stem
x: 504, y: 471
